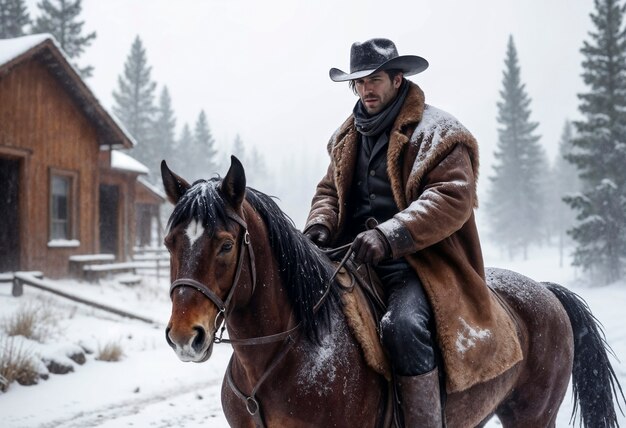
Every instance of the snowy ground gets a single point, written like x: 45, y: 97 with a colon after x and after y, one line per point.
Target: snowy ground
x: 150, y: 387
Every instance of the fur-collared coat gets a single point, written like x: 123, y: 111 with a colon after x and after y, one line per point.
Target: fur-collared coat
x: 432, y: 163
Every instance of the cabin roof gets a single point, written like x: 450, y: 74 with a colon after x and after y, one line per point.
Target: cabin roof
x: 156, y: 191
x: 123, y: 162
x: 46, y: 50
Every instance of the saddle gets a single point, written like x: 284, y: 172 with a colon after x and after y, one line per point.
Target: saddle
x: 363, y: 306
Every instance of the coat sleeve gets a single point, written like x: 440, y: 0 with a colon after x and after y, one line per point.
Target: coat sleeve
x: 443, y: 207
x: 325, y: 204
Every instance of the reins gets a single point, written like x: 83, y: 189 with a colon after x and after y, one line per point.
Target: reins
x: 340, y: 266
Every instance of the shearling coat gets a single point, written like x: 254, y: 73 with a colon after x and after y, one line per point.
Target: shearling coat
x: 432, y: 163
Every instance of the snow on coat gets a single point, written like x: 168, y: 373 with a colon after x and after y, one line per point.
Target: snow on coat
x: 432, y: 163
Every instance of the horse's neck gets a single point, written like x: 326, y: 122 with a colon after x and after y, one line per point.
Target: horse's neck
x: 268, y: 310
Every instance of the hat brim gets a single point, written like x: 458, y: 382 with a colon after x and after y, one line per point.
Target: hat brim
x: 408, y: 64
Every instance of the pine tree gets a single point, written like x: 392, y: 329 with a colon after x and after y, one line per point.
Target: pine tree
x: 60, y: 18
x: 600, y: 148
x: 565, y: 183
x: 258, y: 169
x: 162, y: 143
x: 516, y: 195
x: 180, y: 160
x: 135, y: 100
x: 239, y: 150
x: 257, y: 173
x: 203, y: 155
x: 13, y: 18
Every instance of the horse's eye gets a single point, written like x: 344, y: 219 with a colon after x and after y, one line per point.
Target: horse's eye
x: 226, y: 247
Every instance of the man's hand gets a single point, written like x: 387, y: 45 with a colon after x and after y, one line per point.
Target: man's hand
x: 370, y: 247
x: 319, y: 234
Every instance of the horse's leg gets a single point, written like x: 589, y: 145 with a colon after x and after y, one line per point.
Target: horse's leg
x: 548, y: 356
x: 535, y: 401
x: 474, y: 406
x: 514, y: 417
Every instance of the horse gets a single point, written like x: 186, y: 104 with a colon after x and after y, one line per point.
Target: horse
x: 238, y: 262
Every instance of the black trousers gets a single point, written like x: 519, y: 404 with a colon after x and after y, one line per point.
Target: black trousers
x: 407, y: 328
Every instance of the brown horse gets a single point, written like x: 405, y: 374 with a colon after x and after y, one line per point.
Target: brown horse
x: 237, y: 259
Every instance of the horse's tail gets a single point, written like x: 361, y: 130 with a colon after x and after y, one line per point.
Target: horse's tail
x: 594, y: 382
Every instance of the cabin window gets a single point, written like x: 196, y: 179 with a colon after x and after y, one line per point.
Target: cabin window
x: 62, y: 205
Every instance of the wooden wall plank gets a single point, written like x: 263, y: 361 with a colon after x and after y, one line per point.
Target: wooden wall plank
x: 38, y: 115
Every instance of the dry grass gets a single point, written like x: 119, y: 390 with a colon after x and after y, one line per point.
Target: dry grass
x: 34, y: 321
x: 111, y: 351
x: 16, y: 364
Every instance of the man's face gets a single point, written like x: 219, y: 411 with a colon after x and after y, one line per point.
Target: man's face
x: 377, y: 91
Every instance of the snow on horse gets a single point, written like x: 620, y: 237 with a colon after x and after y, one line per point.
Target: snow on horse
x: 238, y: 261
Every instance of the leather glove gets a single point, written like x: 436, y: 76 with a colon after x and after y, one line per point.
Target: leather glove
x: 370, y: 247
x: 319, y: 234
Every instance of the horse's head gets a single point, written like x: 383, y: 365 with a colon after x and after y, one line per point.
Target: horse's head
x: 205, y: 238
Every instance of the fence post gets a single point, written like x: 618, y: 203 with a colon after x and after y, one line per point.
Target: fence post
x: 18, y: 287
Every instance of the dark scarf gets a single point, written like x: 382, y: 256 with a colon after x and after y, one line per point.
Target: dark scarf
x: 373, y: 126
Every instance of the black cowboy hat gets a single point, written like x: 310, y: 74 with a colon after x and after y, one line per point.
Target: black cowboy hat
x: 374, y: 55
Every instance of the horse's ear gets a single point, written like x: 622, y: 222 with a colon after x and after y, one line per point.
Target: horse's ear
x: 175, y: 186
x: 234, y: 184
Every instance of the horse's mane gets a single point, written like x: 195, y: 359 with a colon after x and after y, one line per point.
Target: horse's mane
x: 305, y: 272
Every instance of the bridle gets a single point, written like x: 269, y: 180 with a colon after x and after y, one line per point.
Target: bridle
x: 252, y: 405
x: 224, y: 305
x: 288, y: 337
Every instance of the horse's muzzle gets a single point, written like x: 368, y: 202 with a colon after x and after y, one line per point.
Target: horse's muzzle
x: 196, y: 345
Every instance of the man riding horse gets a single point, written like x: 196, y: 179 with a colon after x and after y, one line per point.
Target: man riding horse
x: 401, y: 185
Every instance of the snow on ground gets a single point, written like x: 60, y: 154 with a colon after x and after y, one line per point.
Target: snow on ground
x: 150, y: 387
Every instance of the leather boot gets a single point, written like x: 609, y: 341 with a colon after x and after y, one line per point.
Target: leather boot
x: 420, y: 400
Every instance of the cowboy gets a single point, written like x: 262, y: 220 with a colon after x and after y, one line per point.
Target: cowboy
x: 402, y: 186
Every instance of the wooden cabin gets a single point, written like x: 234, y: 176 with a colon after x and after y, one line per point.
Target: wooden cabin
x: 148, y: 202
x: 62, y: 193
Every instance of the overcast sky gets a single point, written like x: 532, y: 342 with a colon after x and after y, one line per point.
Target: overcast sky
x: 260, y: 68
